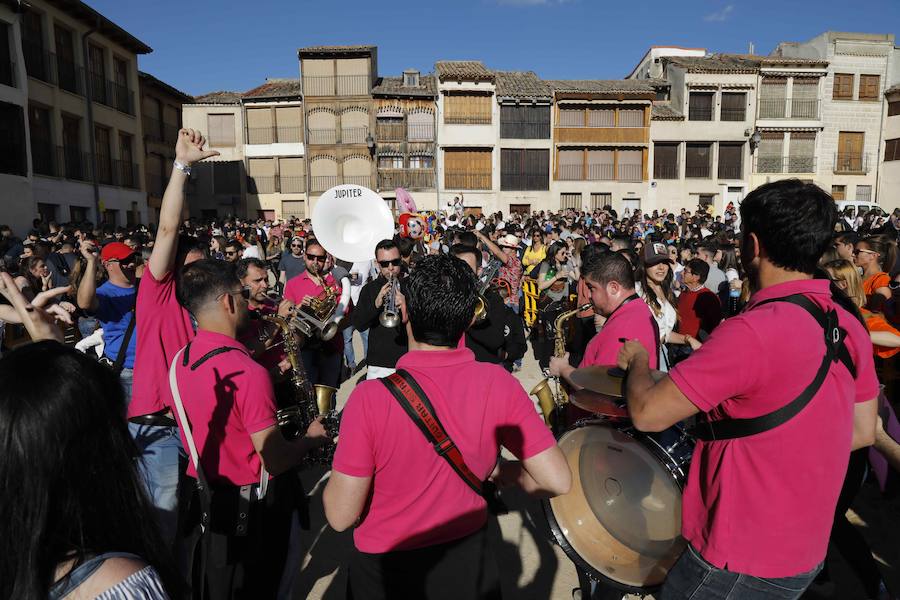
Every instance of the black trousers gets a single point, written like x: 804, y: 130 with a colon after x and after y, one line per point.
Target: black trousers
x: 464, y: 569
x: 239, y: 567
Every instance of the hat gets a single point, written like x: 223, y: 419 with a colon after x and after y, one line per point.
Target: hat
x: 115, y: 251
x: 508, y: 241
x: 655, y: 253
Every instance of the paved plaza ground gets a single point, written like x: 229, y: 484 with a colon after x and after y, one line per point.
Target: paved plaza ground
x: 532, y: 568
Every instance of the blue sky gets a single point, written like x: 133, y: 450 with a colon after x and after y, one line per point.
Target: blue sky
x: 204, y: 45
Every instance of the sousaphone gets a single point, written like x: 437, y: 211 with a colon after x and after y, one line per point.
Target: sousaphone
x: 350, y: 220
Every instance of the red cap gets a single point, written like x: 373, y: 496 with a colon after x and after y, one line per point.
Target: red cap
x: 115, y: 251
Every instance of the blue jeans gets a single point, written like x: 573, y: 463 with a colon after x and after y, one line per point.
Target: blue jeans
x: 87, y: 326
x: 694, y: 578
x: 162, y: 461
x: 349, y: 353
x: 127, y: 378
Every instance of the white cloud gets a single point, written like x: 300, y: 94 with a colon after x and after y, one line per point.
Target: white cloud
x: 723, y: 14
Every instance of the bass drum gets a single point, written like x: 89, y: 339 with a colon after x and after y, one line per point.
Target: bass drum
x: 621, y: 521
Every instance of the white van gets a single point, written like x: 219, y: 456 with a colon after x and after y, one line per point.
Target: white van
x: 860, y: 206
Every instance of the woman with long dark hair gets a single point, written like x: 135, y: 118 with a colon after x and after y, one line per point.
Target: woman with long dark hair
x: 873, y: 254
x: 75, y: 514
x: 555, y: 279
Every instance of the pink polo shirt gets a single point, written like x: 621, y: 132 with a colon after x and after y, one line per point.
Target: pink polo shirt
x: 763, y: 505
x: 301, y: 286
x: 227, y: 398
x: 163, y: 328
x: 417, y: 499
x: 631, y: 321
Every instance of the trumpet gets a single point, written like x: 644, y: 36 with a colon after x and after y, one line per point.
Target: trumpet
x: 390, y: 316
x: 551, y: 399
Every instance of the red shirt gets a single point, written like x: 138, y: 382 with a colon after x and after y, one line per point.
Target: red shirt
x: 163, y: 328
x: 763, y: 505
x: 226, y: 398
x: 630, y: 321
x: 417, y: 499
x: 699, y: 309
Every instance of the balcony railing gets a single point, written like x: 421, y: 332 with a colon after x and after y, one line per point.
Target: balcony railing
x: 69, y: 75
x: 156, y: 184
x: 852, y: 164
x: 788, y: 108
x: 420, y: 132
x: 104, y: 169
x: 697, y: 171
x: 700, y: 113
x: 326, y: 137
x: 320, y: 183
x: 390, y: 132
x: 733, y: 114
x: 363, y: 180
x: 471, y: 180
x: 152, y: 129
x: 126, y: 174
x: 389, y: 179
x: 354, y: 135
x: 339, y: 85
x: 785, y: 164
x: 731, y: 172
x: 600, y: 172
x: 262, y: 184
x: 467, y: 119
x: 521, y: 130
x: 8, y: 73
x: 630, y: 172
x: 37, y: 61
x: 665, y: 171
x: 571, y: 172
x: 72, y: 163
x: 274, y: 135
x: 292, y: 185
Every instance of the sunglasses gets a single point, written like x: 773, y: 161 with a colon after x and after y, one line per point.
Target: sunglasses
x: 390, y: 263
x: 316, y: 257
x: 858, y: 251
x: 296, y: 245
x: 230, y: 253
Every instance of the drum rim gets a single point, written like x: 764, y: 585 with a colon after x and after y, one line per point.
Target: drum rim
x: 675, y: 471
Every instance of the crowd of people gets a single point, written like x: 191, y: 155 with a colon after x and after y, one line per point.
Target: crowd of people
x: 146, y: 455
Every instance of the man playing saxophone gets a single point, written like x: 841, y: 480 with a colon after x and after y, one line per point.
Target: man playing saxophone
x: 386, y: 344
x: 321, y: 358
x: 262, y: 339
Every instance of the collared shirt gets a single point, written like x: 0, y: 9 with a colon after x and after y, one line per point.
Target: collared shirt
x: 417, y: 499
x: 303, y: 286
x: 630, y: 321
x: 227, y: 398
x: 763, y: 505
x: 163, y: 328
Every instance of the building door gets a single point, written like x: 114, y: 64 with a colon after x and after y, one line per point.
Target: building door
x: 850, y: 147
x: 632, y: 205
x: 265, y: 215
x: 735, y: 195
x: 524, y: 209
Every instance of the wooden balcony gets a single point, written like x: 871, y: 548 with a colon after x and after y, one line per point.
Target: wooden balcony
x: 601, y: 135
x: 411, y: 179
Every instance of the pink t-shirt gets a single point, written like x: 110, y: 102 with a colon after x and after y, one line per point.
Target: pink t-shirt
x: 631, y: 321
x: 163, y: 328
x: 301, y: 286
x: 417, y: 499
x: 763, y: 505
x: 227, y: 398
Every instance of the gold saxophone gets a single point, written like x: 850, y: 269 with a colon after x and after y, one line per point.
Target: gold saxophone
x: 313, y: 401
x: 549, y: 400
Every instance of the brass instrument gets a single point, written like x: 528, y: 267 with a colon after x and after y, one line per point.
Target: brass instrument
x: 390, y: 316
x: 550, y: 399
x: 312, y: 317
x: 313, y: 401
x: 484, y: 282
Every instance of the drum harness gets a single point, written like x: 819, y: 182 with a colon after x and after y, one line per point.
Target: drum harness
x: 835, y: 351
x: 415, y: 403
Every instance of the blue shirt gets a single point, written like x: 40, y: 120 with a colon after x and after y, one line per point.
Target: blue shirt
x: 114, y: 313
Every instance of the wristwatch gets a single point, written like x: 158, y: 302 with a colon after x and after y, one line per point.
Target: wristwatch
x: 186, y: 169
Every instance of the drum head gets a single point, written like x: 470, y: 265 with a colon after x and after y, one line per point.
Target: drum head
x: 621, y: 521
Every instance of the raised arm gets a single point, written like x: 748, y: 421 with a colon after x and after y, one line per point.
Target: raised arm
x: 494, y: 248
x: 188, y: 150
x: 87, y: 289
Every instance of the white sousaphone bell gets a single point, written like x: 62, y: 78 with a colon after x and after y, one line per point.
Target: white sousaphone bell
x: 350, y: 220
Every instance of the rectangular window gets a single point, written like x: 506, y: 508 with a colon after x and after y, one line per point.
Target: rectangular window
x: 864, y: 193
x: 127, y: 168
x: 572, y: 201
x: 525, y: 122
x: 467, y: 109
x: 291, y: 172
x: 97, y: 72
x: 802, y: 152
x: 629, y: 165
x: 843, y: 86
x: 891, y: 149
x: 421, y: 162
x: 601, y: 165
x: 7, y: 74
x: 75, y: 165
x: 122, y: 95
x: 571, y: 117
x: 467, y: 169
x: 37, y: 61
x: 599, y: 200
x: 570, y: 165
x: 601, y: 117
x: 665, y: 161
x: 839, y: 192
x: 12, y: 140
x: 869, y: 87
x: 734, y: 106
x: 894, y: 108
x: 631, y: 117
x: 772, y: 98
x: 524, y: 169
x: 42, y: 151
x: 390, y: 162
x: 700, y: 106
x: 769, y: 155
x: 805, y: 100
x: 697, y: 159
x: 67, y: 69
x: 849, y: 157
x: 104, y: 155
x: 731, y: 161
x: 221, y: 130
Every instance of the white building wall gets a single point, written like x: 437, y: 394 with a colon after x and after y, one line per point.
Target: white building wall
x: 889, y: 183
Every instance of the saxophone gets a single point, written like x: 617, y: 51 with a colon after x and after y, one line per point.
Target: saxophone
x: 313, y: 401
x: 548, y: 399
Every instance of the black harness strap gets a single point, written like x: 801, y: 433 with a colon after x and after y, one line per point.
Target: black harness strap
x: 187, y: 352
x: 835, y: 351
